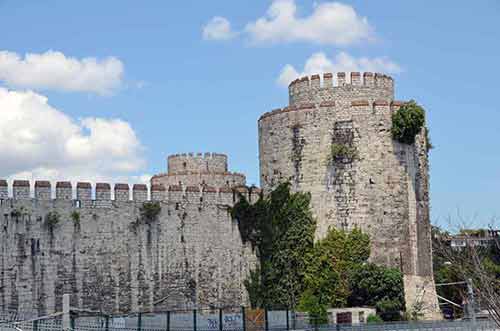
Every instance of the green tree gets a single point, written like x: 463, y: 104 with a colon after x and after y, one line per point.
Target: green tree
x: 295, y: 272
x: 407, y: 122
x: 310, y: 303
x: 377, y: 286
x: 255, y: 289
x: 330, y: 262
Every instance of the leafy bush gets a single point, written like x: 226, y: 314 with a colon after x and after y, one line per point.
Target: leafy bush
x: 341, y: 152
x: 407, y: 122
x: 329, y: 265
x: 310, y: 303
x: 389, y: 309
x: 377, y: 286
x: 51, y: 220
x: 16, y: 213
x: 150, y: 210
x: 75, y: 216
x: 374, y: 319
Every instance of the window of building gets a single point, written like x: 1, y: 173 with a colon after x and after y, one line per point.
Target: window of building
x: 344, y: 318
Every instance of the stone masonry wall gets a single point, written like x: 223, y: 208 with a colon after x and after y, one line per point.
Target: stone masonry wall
x: 199, y: 169
x: 104, y: 253
x: 380, y: 187
x: 199, y: 162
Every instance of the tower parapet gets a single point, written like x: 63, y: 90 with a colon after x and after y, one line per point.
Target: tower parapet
x: 368, y: 86
x: 196, y: 163
x: 198, y: 169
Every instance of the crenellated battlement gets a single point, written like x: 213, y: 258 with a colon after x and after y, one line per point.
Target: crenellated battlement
x: 100, y: 196
x: 367, y: 79
x: 195, y: 163
x: 314, y: 89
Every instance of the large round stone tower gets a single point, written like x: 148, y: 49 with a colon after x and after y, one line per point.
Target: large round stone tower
x: 334, y: 141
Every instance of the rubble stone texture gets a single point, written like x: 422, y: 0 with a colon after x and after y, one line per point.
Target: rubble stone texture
x: 111, y: 258
x: 375, y: 183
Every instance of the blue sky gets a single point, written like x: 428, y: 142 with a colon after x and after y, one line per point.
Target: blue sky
x: 167, y: 87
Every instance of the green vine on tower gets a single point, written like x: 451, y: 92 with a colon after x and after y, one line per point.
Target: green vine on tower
x: 150, y: 211
x: 297, y: 273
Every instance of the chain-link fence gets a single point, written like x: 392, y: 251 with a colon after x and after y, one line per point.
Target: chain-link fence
x: 29, y: 321
x: 245, y: 319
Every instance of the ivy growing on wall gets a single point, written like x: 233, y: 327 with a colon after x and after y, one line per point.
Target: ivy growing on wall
x: 407, y: 122
x: 16, y: 213
x: 296, y: 272
x: 51, y: 220
x: 298, y: 143
x: 341, y: 152
x: 75, y: 216
x: 428, y: 142
x: 150, y: 211
x: 281, y: 227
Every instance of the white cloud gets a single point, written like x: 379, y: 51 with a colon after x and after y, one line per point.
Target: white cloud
x: 41, y: 142
x: 218, y: 28
x: 329, y: 23
x: 319, y: 63
x: 54, y: 71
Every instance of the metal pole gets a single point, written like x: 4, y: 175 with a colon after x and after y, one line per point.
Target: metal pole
x: 287, y: 320
x: 243, y: 319
x: 139, y: 322
x: 194, y: 319
x: 220, y: 319
x: 107, y: 323
x: 66, y: 320
x: 168, y: 320
x: 266, y: 319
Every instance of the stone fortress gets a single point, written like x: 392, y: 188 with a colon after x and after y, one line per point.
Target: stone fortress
x: 191, y: 255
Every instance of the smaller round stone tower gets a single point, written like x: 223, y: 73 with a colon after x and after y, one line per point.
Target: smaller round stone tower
x: 209, y: 169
